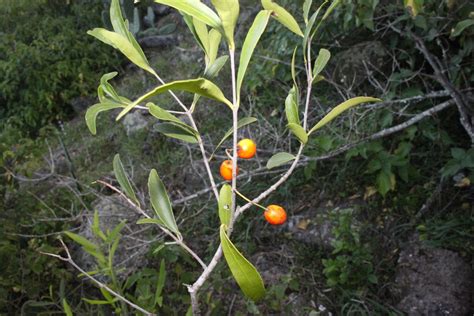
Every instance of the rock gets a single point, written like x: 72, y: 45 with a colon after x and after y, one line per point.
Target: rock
x: 134, y: 122
x: 433, y: 281
x: 80, y: 104
x: 314, y: 227
x: 158, y: 41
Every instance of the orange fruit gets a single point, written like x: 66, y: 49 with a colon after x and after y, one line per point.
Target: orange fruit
x: 226, y: 170
x: 275, y: 214
x: 246, y: 148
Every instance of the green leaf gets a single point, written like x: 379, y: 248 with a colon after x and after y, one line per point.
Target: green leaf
x: 340, y: 109
x: 291, y: 107
x: 309, y: 27
x: 93, y: 111
x: 241, y: 123
x: 306, y: 7
x: 97, y: 302
x: 228, y: 11
x: 321, y: 61
x: 197, y: 10
x: 161, y: 284
x: 123, y: 180
x: 161, y: 202
x: 283, y: 16
x: 189, y: 20
x: 215, y: 67
x: 214, y: 43
x: 385, y: 182
x: 461, y: 26
x: 299, y: 132
x: 96, y: 227
x: 250, y: 42
x: 114, y: 234
x: 177, y: 131
x: 81, y: 241
x: 202, y: 34
x: 67, y: 308
x: 122, y: 43
x: 225, y: 203
x: 106, y: 89
x: 162, y: 114
x: 150, y: 221
x: 199, y: 86
x: 279, y: 159
x: 247, y: 277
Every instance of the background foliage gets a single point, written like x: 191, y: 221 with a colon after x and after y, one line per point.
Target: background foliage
x: 46, y: 61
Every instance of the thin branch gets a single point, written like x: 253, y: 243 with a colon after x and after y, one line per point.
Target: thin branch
x: 69, y: 260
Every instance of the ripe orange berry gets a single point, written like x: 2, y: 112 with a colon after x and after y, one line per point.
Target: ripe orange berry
x: 226, y: 170
x: 275, y: 215
x: 246, y: 148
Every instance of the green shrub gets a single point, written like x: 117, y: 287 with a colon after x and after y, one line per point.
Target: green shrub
x: 46, y: 59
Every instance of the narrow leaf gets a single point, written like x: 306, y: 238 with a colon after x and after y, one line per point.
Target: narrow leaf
x: 279, y: 159
x: 340, y: 109
x: 160, y: 284
x: 202, y: 33
x: 241, y: 123
x: 321, y: 61
x: 247, y: 277
x: 177, y: 131
x: 66, y: 308
x: 225, y: 202
x: 251, y: 40
x: 197, y: 10
x: 228, y: 11
x: 291, y: 107
x: 299, y: 132
x: 81, y: 240
x: 306, y: 7
x: 214, y: 43
x: 150, y: 221
x: 162, y: 114
x: 123, y: 180
x: 283, y: 16
x: 161, y: 202
x: 199, y: 86
x: 93, y: 111
x: 215, y: 67
x: 122, y: 43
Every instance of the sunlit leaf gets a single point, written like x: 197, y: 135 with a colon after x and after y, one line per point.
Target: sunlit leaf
x: 340, y: 109
x: 66, y: 308
x: 225, y: 204
x: 282, y: 16
x: 160, y: 201
x: 122, y: 43
x: 299, y: 132
x: 279, y: 159
x: 195, y: 9
x: 213, y: 70
x: 228, y: 11
x: 245, y: 274
x: 199, y: 86
x: 251, y: 40
x: 123, y: 180
x: 93, y: 111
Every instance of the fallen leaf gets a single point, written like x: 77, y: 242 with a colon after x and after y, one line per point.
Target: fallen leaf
x: 369, y: 191
x: 463, y: 183
x: 303, y: 224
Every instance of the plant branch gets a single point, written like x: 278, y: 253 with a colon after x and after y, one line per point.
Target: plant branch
x: 69, y: 260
